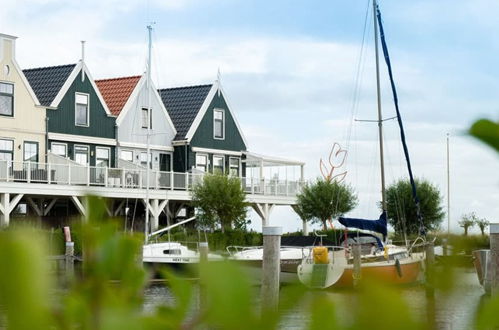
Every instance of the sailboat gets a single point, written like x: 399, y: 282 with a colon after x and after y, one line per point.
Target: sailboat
x: 333, y: 266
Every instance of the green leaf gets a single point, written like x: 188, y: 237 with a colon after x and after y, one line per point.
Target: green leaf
x: 486, y: 131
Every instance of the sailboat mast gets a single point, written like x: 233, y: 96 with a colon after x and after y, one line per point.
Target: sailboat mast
x: 148, y: 135
x: 380, y: 115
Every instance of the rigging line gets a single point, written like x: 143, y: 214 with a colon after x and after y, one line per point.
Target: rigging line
x: 401, y: 126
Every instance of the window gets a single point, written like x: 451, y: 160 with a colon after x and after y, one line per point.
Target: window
x: 144, y: 118
x: 234, y: 166
x: 31, y: 152
x: 218, y: 124
x: 60, y: 149
x: 6, y: 150
x: 127, y: 155
x: 102, y: 157
x: 81, y: 109
x: 201, y: 162
x: 6, y: 99
x: 81, y: 155
x: 218, y: 164
x: 143, y: 159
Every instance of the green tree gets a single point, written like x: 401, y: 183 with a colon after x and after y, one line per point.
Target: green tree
x: 467, y: 221
x: 324, y: 200
x: 401, y: 209
x: 482, y: 223
x: 220, y: 200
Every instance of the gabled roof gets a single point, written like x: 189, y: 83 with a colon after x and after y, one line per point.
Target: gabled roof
x: 117, y: 91
x: 183, y: 105
x: 47, y: 82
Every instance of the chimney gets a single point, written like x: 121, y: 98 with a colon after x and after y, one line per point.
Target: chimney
x: 83, y: 59
x: 7, y: 47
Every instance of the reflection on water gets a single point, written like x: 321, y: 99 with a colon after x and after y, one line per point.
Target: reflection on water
x: 454, y: 310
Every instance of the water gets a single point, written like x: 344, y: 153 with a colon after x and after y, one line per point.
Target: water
x: 454, y: 310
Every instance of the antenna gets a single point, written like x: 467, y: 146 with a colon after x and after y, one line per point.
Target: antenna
x: 82, y: 59
x: 219, y: 81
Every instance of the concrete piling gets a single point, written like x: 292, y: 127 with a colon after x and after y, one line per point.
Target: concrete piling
x: 493, y: 266
x: 357, y: 264
x: 429, y: 262
x: 271, y: 267
x: 203, y: 251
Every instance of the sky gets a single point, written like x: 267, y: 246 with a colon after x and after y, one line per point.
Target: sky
x: 290, y: 70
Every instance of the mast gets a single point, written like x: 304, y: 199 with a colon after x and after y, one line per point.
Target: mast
x: 448, y: 187
x: 148, y: 135
x: 380, y: 115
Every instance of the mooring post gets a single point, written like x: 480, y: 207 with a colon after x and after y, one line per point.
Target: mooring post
x: 493, y: 266
x: 271, y: 266
x: 69, y: 253
x: 430, y: 260
x: 357, y: 264
x: 203, y: 251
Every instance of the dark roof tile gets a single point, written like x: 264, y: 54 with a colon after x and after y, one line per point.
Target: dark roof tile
x: 47, y: 82
x: 183, y: 105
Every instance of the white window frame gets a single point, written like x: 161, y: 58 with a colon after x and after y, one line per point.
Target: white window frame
x: 37, y: 150
x: 238, y: 165
x: 88, y: 153
x: 13, y: 147
x: 223, y: 124
x: 223, y: 163
x: 126, y: 150
x: 13, y: 98
x: 145, y: 163
x: 88, y: 109
x: 61, y: 144
x: 149, y: 114
x: 207, y: 165
x: 108, y: 155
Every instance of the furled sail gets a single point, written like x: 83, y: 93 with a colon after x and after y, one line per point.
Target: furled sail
x: 401, y: 126
x: 378, y: 226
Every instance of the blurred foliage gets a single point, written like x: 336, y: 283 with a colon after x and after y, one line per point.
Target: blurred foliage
x: 323, y: 200
x: 109, y: 293
x: 486, y: 131
x: 220, y: 200
x: 401, y: 209
x: 467, y: 221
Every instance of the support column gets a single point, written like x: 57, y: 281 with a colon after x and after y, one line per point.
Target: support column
x: 263, y: 210
x: 271, y: 267
x: 4, y: 207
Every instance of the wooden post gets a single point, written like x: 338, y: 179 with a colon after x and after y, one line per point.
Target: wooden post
x: 271, y: 267
x: 203, y: 251
x: 69, y: 253
x: 430, y: 260
x: 494, y: 259
x: 357, y: 264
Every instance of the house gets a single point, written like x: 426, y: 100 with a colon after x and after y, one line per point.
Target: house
x: 80, y: 125
x: 22, y: 120
x: 209, y: 138
x: 128, y: 98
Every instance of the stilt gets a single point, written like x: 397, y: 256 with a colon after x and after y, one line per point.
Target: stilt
x: 271, y: 267
x: 4, y: 207
x: 263, y: 210
x: 357, y: 264
x: 69, y: 253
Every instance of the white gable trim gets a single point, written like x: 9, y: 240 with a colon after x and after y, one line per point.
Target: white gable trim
x: 135, y: 93
x: 25, y: 82
x: 199, y: 117
x: 81, y: 139
x: 64, y: 89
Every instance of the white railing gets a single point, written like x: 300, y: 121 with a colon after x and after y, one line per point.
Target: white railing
x: 75, y: 174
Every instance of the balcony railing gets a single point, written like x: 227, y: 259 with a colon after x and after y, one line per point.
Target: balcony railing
x: 79, y: 175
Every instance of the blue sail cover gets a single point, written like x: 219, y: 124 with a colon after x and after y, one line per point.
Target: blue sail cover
x: 378, y: 226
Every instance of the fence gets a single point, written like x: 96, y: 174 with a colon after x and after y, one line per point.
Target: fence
x: 129, y: 178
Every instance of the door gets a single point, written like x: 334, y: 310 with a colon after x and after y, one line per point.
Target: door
x: 164, y: 162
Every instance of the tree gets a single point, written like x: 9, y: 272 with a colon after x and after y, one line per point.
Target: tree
x: 324, y: 200
x: 482, y: 223
x: 401, y: 209
x: 469, y: 220
x: 220, y: 200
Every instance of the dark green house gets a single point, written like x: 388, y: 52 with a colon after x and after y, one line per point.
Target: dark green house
x: 209, y: 138
x: 80, y: 126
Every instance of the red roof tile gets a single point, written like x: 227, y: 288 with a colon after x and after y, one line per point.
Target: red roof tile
x: 116, y: 91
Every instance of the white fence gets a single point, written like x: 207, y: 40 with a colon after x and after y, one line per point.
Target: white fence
x: 71, y: 174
